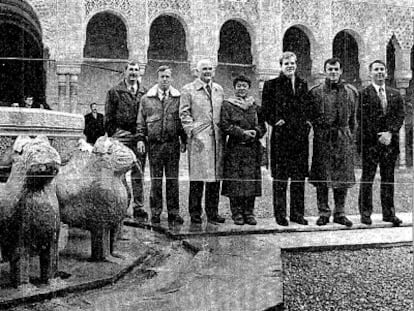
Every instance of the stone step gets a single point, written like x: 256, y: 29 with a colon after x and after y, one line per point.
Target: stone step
x: 264, y: 226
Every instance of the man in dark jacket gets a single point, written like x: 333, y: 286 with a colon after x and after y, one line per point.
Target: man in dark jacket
x: 121, y: 111
x: 287, y: 109
x: 332, y: 160
x: 380, y: 116
x: 159, y: 125
x: 94, y: 125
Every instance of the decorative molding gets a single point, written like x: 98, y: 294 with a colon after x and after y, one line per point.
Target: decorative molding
x: 182, y: 7
x: 357, y: 15
x: 121, y: 5
x: 246, y: 8
x: 302, y: 12
x: 400, y: 22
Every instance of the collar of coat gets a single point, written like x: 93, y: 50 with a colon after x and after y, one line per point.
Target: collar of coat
x: 200, y: 84
x: 123, y: 87
x: 334, y: 86
x: 153, y: 92
x: 243, y: 103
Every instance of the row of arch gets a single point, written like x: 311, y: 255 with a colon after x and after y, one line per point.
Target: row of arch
x: 106, y: 37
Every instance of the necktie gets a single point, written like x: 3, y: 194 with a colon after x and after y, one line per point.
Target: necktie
x: 208, y: 88
x: 383, y: 99
x: 293, y: 85
x: 164, y: 97
x: 132, y: 89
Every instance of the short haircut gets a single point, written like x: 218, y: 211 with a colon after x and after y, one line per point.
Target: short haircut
x: 287, y: 55
x: 201, y: 61
x: 242, y: 78
x: 163, y: 68
x: 377, y: 61
x: 332, y: 61
x: 131, y: 63
x: 90, y: 106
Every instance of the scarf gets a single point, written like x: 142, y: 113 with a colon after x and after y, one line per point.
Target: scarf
x: 243, y: 103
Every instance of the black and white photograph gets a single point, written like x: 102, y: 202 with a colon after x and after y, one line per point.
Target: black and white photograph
x: 206, y: 155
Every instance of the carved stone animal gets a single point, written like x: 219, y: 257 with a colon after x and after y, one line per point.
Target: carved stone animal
x: 91, y: 192
x: 29, y: 210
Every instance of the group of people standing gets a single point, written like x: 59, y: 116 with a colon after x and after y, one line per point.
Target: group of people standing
x: 222, y: 139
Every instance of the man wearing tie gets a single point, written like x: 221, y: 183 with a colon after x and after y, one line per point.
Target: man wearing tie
x: 380, y: 115
x: 159, y: 125
x: 200, y: 107
x: 287, y: 109
x: 121, y: 111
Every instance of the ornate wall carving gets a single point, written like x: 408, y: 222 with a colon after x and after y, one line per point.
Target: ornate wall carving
x: 301, y: 12
x: 182, y: 7
x: 400, y: 22
x: 358, y: 15
x: 245, y: 8
x: 121, y: 5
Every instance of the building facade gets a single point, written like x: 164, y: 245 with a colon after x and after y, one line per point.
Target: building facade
x: 70, y: 52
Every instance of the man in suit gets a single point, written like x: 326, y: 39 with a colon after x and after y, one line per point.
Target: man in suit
x: 287, y: 109
x: 200, y: 107
x: 159, y: 125
x: 121, y: 111
x: 380, y: 115
x: 94, y: 125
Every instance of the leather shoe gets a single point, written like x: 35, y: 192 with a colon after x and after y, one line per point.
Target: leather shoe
x: 396, y: 222
x: 250, y: 220
x: 140, y: 214
x: 176, y: 219
x: 196, y: 220
x: 342, y: 220
x: 299, y: 220
x: 282, y: 221
x: 155, y: 219
x: 366, y: 220
x: 238, y: 220
x: 322, y: 220
x: 217, y: 219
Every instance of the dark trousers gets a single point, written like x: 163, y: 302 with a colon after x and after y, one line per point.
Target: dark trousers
x: 137, y: 175
x: 322, y: 192
x: 211, y: 199
x: 164, y: 157
x: 242, y: 205
x: 297, y: 197
x: 386, y: 162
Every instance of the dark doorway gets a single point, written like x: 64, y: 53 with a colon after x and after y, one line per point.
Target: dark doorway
x: 391, y: 63
x: 167, y: 40
x: 21, y: 51
x: 235, y: 44
x: 295, y: 40
x: 345, y: 48
x: 106, y: 37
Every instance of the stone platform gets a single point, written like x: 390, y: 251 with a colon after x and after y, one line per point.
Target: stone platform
x: 264, y: 226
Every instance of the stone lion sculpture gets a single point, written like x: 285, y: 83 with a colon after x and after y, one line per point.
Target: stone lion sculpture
x: 29, y: 209
x: 92, y: 194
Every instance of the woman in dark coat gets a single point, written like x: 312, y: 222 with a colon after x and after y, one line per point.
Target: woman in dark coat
x: 243, y: 124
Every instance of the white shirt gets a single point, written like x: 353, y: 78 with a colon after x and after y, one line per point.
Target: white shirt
x: 161, y: 93
x: 377, y: 87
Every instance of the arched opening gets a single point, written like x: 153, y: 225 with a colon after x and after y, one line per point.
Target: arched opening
x: 22, y: 71
x: 391, y: 62
x: 345, y: 47
x: 235, y: 44
x: 167, y: 39
x: 106, y: 37
x: 295, y: 40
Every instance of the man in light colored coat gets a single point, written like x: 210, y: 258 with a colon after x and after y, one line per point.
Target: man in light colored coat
x: 200, y: 107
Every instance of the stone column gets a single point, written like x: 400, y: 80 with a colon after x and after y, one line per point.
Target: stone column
x: 68, y: 86
x: 62, y: 91
x: 403, y: 75
x: 73, y: 92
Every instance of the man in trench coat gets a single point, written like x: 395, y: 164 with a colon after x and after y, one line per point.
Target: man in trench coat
x: 200, y: 106
x: 287, y: 110
x: 334, y: 125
